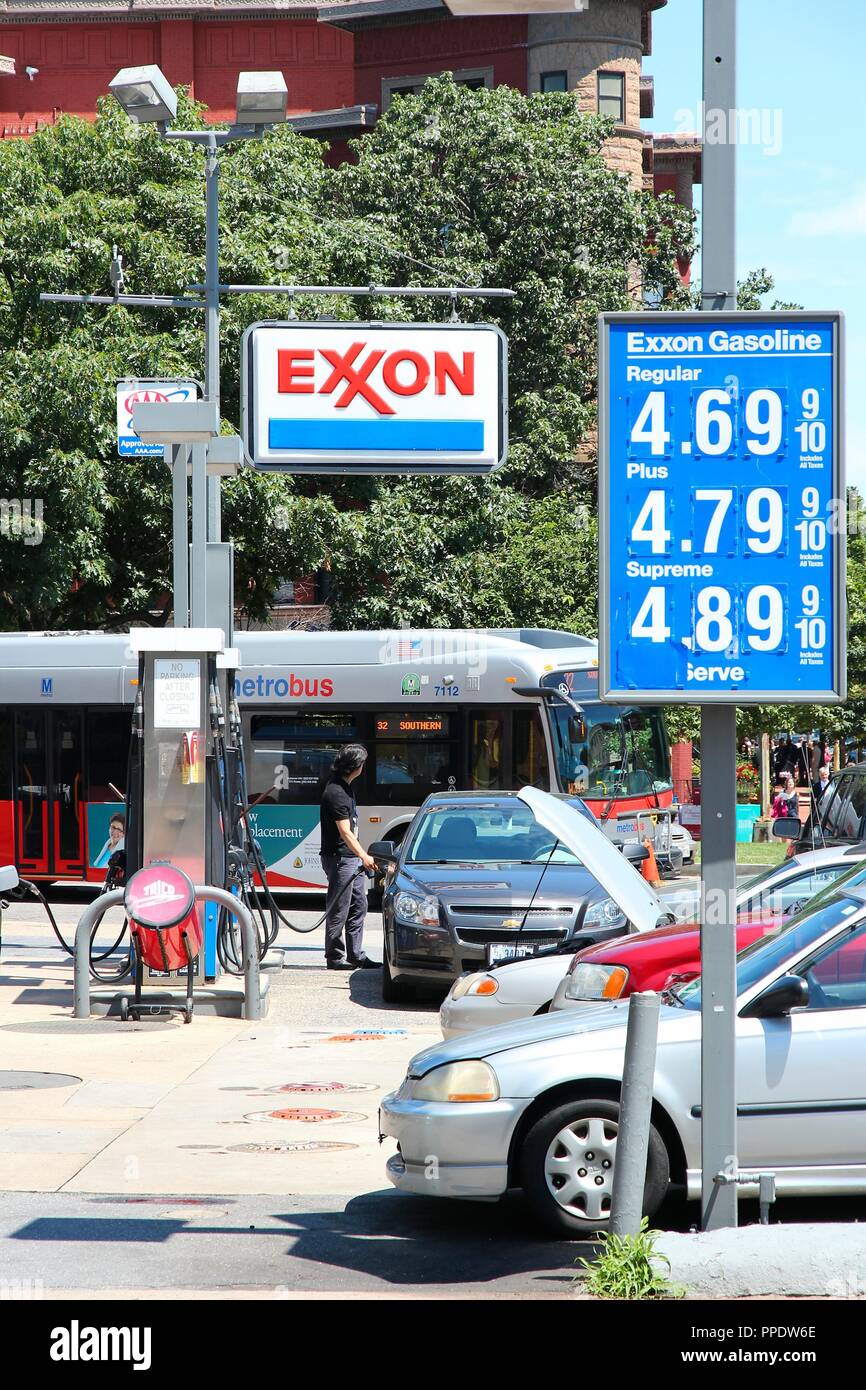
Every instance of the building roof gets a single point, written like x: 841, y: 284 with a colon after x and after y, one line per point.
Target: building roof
x: 16, y: 11
x: 343, y: 13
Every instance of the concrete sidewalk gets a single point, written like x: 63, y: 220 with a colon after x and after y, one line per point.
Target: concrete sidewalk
x: 222, y: 1106
x: 775, y: 1261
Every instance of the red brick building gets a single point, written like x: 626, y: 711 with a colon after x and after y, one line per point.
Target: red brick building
x: 343, y: 60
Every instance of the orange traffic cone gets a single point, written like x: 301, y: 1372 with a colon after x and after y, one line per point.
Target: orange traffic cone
x: 649, y: 868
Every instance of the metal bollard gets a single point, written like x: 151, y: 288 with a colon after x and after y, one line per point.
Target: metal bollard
x: 94, y: 912
x: 629, y: 1174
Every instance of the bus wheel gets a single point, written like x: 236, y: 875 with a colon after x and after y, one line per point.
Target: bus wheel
x: 393, y: 991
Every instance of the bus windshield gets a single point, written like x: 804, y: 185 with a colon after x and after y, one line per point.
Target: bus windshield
x: 610, y: 750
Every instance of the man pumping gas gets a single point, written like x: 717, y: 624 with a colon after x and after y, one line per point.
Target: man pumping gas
x: 343, y: 860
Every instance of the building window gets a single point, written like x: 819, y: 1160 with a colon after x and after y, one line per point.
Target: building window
x: 554, y: 82
x: 611, y: 95
x: 411, y: 84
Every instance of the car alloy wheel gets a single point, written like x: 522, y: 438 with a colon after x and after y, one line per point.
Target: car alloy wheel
x: 579, y: 1167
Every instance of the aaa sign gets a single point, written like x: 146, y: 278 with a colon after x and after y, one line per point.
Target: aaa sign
x: 374, y: 398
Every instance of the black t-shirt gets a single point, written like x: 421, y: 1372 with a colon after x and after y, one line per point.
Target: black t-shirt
x: 338, y: 803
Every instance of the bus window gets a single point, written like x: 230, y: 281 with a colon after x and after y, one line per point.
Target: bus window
x: 609, y: 751
x: 289, y: 757
x: 485, y: 751
x: 529, y: 751
x: 414, y: 754
x: 108, y: 735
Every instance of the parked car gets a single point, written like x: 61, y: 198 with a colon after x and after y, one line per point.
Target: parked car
x: 535, y: 1104
x: 499, y: 995
x: 839, y: 818
x: 683, y: 841
x: 483, y: 877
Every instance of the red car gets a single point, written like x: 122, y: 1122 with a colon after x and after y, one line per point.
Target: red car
x: 650, y: 960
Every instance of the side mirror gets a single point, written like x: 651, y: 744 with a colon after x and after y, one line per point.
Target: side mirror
x: 787, y: 993
x: 384, y: 850
x: 787, y: 828
x: 635, y: 853
x: 9, y: 879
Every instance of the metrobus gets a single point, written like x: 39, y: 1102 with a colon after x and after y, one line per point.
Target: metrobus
x: 491, y: 710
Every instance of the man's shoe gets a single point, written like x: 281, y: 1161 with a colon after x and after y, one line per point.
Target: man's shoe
x: 368, y: 964
x: 340, y: 965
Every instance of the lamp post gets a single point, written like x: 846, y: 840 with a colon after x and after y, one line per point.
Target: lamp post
x: 147, y: 97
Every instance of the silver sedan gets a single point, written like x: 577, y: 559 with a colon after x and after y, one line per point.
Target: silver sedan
x: 535, y: 1104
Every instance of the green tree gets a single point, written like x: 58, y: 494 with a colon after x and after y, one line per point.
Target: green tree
x: 66, y: 196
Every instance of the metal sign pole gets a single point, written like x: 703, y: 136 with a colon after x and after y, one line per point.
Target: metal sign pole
x: 180, y: 532
x: 718, y: 722
x: 212, y: 326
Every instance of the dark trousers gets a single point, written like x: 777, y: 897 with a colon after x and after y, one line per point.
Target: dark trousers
x: 346, y: 907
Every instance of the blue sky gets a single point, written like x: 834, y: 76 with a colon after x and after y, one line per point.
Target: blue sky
x: 801, y: 208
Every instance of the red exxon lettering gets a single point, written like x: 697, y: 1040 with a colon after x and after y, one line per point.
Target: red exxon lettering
x: 357, y: 379
x: 446, y: 369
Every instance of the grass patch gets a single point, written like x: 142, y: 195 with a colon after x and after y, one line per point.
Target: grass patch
x: 771, y: 852
x: 629, y: 1267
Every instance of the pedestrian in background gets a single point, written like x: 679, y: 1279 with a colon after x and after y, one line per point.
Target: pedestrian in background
x: 343, y: 860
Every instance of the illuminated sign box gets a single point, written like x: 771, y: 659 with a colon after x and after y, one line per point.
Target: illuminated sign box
x: 721, y: 508
x: 374, y: 398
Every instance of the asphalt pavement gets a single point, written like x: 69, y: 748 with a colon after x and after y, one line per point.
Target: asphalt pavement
x: 230, y: 1157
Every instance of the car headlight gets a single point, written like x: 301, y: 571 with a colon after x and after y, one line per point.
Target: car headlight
x: 422, y: 912
x: 458, y: 1082
x: 588, y: 981
x: 478, y: 983
x: 606, y: 913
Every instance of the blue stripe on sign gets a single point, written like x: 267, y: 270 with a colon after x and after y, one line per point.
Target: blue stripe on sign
x: 444, y: 435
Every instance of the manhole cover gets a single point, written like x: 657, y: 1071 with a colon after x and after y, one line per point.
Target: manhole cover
x: 355, y: 1037
x: 302, y: 1146
x: 305, y: 1116
x: 319, y: 1087
x: 35, y: 1080
x: 88, y: 1025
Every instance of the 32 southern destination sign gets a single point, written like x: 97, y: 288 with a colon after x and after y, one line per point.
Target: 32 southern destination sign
x: 721, y: 508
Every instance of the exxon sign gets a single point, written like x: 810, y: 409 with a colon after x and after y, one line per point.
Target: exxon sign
x: 374, y: 398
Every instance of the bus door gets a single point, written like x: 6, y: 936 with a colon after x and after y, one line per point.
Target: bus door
x: 48, y: 763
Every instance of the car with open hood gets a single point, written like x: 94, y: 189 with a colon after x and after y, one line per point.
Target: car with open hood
x: 482, y: 877
x: 534, y: 1105
x: 506, y: 992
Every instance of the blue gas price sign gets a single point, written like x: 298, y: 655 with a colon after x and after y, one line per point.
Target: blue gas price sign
x: 721, y: 508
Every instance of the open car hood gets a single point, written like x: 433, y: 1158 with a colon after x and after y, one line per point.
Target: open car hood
x: 629, y: 889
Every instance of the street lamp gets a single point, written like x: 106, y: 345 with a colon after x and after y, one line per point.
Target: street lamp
x: 262, y: 97
x: 145, y: 94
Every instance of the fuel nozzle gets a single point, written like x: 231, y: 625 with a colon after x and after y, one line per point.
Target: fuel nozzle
x: 215, y: 710
x: 138, y: 714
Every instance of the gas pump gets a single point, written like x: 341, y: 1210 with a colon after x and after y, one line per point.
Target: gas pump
x: 176, y: 803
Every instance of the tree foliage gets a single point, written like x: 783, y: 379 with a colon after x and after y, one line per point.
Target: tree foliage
x: 454, y: 187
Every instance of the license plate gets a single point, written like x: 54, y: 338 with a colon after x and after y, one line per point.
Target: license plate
x: 512, y: 950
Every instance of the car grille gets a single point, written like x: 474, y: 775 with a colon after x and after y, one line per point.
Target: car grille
x: 479, y: 936
x: 472, y: 910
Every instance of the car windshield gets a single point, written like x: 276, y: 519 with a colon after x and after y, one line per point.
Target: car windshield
x: 610, y: 750
x: 775, y: 947
x: 484, y: 833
